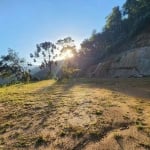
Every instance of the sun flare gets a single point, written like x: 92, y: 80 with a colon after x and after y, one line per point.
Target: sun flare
x: 66, y: 55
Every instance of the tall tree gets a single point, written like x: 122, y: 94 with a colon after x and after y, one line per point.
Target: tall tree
x: 114, y: 21
x: 131, y: 8
x: 66, y: 44
x: 12, y: 65
x: 138, y: 15
x: 44, y: 54
x: 69, y: 65
x: 48, y: 53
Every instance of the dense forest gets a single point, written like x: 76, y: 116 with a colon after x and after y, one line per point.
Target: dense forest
x: 122, y: 25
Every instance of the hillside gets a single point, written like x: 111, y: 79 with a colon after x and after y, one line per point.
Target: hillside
x: 76, y: 114
x: 129, y: 58
x: 131, y: 63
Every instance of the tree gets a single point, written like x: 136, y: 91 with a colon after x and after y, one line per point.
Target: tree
x: 138, y: 15
x: 45, y: 54
x: 66, y: 44
x: 114, y: 22
x: 69, y: 65
x: 12, y: 65
x: 130, y: 8
x: 48, y: 53
x: 120, y: 28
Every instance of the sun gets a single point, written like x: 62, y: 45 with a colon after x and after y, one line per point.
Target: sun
x: 66, y: 55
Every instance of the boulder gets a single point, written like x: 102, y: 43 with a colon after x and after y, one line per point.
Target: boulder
x: 132, y: 63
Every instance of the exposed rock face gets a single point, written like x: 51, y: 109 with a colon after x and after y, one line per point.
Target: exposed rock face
x: 134, y: 63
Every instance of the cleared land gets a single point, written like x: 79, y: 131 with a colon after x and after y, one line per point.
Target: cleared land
x: 88, y: 114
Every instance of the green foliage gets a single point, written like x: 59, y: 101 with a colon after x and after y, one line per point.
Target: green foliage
x: 48, y: 53
x: 68, y: 68
x: 44, y: 54
x: 114, y: 20
x: 138, y: 15
x: 26, y: 77
x: 69, y: 71
x: 11, y: 66
x: 66, y: 44
x: 121, y: 26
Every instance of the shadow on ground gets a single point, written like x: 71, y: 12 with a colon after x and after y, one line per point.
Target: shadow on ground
x: 135, y: 87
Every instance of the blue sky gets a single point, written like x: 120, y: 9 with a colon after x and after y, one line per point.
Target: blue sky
x: 24, y: 23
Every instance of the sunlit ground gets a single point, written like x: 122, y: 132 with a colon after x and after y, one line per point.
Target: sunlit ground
x: 88, y: 114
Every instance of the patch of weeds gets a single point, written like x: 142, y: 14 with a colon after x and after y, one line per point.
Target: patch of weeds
x: 118, y: 136
x: 126, y: 117
x: 21, y: 140
x: 40, y: 141
x: 15, y: 135
x: 148, y: 131
x: 140, y: 127
x: 62, y: 133
x: 94, y: 135
x: 50, y: 104
x: 9, y: 116
x: 4, y: 127
x: 99, y: 112
x: 139, y: 110
x: 145, y: 145
x: 74, y: 131
x: 2, y: 130
x: 78, y: 134
x: 138, y: 121
x: 140, y: 124
x: 2, y: 142
x: 21, y: 144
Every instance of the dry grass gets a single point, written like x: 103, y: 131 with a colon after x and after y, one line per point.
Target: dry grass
x: 76, y: 114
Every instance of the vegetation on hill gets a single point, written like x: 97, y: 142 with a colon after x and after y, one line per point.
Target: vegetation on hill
x: 49, y: 54
x: 13, y: 66
x: 122, y: 25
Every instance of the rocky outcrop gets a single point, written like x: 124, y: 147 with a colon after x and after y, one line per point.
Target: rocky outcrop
x: 133, y: 63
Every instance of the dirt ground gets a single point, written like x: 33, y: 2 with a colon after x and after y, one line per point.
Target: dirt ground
x: 77, y: 114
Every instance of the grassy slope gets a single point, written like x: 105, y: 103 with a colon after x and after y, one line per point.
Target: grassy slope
x: 82, y: 114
